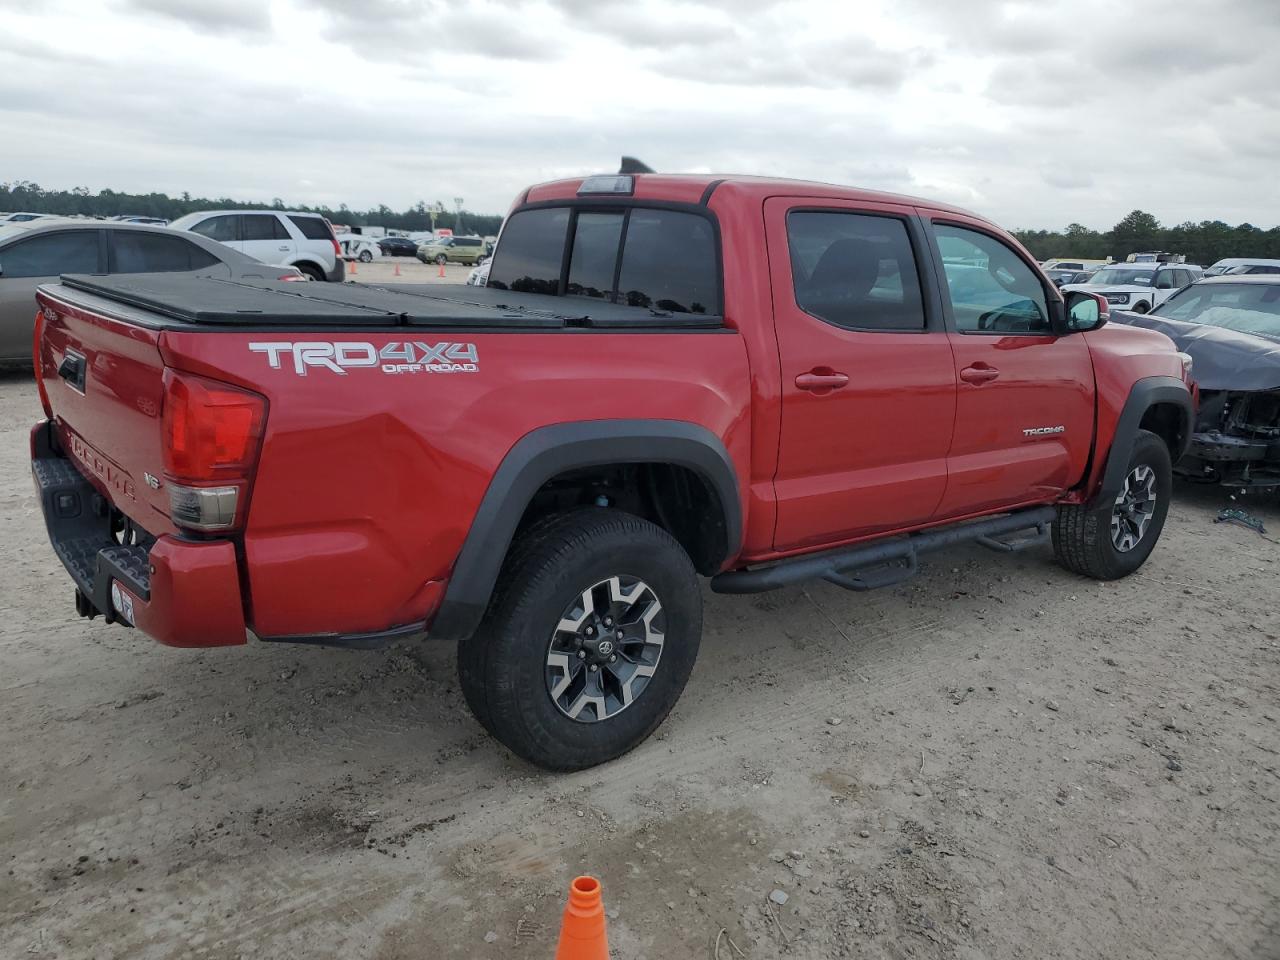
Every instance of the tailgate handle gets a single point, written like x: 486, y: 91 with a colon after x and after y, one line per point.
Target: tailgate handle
x: 72, y: 368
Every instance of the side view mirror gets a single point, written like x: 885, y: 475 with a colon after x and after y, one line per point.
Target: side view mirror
x: 1086, y: 311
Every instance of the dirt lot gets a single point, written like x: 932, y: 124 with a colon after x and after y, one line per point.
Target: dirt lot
x: 996, y: 760
x: 405, y: 270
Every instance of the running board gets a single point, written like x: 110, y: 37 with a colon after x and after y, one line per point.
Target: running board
x: 887, y: 562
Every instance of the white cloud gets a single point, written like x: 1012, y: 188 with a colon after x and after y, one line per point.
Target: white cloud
x: 1036, y: 113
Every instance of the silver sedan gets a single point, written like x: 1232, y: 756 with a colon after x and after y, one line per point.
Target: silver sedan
x: 40, y: 251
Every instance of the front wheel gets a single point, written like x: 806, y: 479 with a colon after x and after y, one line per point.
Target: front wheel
x: 589, y: 641
x: 365, y: 256
x: 1110, y: 540
x: 1141, y: 308
x: 441, y: 259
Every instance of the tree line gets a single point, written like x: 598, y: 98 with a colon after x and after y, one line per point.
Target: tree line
x: 32, y: 198
x: 1204, y: 243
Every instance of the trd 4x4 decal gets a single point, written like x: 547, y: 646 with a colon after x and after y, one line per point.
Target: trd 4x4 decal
x: 395, y: 357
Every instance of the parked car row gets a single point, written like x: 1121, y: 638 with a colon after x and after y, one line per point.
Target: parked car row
x: 1137, y: 286
x: 295, y: 239
x: 39, y: 251
x: 1229, y: 326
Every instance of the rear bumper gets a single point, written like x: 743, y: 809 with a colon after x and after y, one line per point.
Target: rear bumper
x: 339, y: 271
x: 183, y: 593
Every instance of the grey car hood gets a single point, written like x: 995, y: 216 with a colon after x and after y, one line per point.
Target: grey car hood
x: 1222, y: 359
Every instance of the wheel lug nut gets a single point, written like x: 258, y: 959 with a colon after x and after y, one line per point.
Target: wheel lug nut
x: 618, y: 634
x: 594, y: 668
x: 614, y: 658
x: 608, y: 621
x: 590, y: 631
x: 582, y: 654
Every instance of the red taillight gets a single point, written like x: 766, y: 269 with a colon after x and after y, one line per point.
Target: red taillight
x: 212, y: 433
x: 212, y: 430
x: 333, y: 238
x: 35, y: 356
x: 291, y: 276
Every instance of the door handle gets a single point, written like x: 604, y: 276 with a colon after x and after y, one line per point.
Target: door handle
x: 822, y: 378
x: 979, y: 373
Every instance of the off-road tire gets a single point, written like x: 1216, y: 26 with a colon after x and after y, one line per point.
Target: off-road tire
x: 502, y: 668
x: 1082, y: 539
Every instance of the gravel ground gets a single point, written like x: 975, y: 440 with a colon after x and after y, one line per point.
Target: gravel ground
x: 996, y: 760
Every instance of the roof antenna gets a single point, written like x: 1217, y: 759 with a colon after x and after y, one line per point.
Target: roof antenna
x: 632, y: 165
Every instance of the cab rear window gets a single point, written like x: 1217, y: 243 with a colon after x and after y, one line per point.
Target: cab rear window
x: 645, y: 257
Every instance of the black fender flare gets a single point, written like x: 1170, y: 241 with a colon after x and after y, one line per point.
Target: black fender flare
x: 548, y: 451
x: 1144, y: 394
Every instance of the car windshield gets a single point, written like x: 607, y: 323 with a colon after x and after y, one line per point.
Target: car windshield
x: 1123, y: 277
x: 1246, y: 307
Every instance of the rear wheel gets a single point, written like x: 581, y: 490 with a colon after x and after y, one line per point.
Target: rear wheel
x: 311, y: 271
x: 589, y: 641
x: 365, y: 256
x: 1110, y: 540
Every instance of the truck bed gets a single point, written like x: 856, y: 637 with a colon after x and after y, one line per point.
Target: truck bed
x: 210, y: 302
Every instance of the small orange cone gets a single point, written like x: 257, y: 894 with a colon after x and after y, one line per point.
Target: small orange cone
x: 354, y: 271
x: 397, y: 270
x: 442, y: 269
x: 582, y: 934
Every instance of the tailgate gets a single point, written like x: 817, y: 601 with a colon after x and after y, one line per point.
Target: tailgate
x: 103, y: 375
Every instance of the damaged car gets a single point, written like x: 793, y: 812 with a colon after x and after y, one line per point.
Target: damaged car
x: 1229, y: 326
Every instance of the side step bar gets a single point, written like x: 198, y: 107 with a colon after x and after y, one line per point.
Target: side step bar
x: 890, y: 561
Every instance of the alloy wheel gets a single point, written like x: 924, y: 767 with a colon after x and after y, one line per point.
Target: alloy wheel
x: 1134, y: 507
x: 605, y: 649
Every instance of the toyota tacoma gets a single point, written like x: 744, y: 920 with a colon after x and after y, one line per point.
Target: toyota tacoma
x: 755, y: 381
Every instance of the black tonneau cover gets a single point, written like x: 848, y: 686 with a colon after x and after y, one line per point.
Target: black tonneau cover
x: 238, y: 303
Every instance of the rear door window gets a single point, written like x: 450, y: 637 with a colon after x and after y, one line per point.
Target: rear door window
x: 531, y: 252
x: 264, y: 226
x: 155, y: 253
x: 225, y: 229
x: 51, y: 254
x: 313, y: 228
x: 855, y: 270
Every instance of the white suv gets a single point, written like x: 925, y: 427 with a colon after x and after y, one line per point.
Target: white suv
x: 1138, y: 287
x: 302, y: 240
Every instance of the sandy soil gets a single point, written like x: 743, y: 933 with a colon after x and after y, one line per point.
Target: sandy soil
x: 996, y: 760
x: 410, y: 270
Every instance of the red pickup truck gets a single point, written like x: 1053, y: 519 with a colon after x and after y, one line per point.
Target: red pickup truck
x: 756, y: 381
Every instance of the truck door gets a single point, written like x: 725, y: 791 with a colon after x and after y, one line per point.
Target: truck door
x: 1024, y: 404
x: 868, y: 380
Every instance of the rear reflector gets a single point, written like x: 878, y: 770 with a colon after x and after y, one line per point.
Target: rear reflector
x: 35, y: 356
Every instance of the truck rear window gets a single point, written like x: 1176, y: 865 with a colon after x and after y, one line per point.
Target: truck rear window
x: 644, y: 257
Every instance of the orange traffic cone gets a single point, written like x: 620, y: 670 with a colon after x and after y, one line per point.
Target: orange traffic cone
x: 442, y: 269
x: 397, y: 270
x: 582, y: 934
x: 353, y: 271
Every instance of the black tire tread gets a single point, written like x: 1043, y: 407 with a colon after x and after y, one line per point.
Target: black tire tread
x: 1082, y: 532
x: 532, y: 564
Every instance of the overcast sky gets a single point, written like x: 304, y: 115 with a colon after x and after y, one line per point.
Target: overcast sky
x: 1034, y: 113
